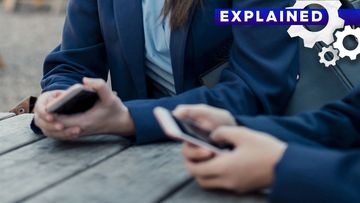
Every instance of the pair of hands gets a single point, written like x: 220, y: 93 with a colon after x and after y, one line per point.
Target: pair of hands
x: 109, y: 115
x: 250, y: 166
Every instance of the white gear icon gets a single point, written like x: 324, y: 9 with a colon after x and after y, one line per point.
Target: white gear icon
x: 339, y: 44
x: 325, y: 35
x: 334, y: 59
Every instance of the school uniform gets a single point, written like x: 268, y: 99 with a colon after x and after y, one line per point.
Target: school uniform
x: 322, y: 162
x: 108, y: 36
x: 313, y: 175
x: 336, y: 125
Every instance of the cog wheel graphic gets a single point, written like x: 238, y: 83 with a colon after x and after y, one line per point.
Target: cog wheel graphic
x: 339, y: 43
x: 325, y: 35
x: 334, y: 59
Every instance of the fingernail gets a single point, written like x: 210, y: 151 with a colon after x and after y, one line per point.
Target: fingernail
x: 86, y: 79
x: 76, y: 131
x: 58, y: 126
x: 49, y: 118
x: 205, y: 152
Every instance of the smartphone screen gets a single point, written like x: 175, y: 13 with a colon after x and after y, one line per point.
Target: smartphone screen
x: 74, y: 101
x: 190, y: 128
x: 187, y: 131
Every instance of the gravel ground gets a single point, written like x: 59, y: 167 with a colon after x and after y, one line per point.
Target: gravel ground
x: 25, y: 40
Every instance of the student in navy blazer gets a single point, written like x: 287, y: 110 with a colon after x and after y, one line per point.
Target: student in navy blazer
x: 317, y: 159
x: 107, y: 36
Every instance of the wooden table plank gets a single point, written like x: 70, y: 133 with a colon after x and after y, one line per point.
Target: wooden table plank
x: 4, y: 116
x: 193, y: 193
x: 15, y: 132
x: 33, y: 168
x: 139, y: 174
x: 94, y: 169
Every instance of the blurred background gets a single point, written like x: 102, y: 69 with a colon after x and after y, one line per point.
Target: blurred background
x: 29, y: 30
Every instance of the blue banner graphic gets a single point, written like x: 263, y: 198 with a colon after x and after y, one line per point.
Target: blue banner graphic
x: 267, y: 16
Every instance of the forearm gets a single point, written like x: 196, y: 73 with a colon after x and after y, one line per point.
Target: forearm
x: 80, y: 54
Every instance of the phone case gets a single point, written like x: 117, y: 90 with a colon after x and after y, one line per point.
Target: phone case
x: 77, y: 101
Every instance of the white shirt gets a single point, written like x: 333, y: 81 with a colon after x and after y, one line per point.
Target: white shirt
x: 157, y: 47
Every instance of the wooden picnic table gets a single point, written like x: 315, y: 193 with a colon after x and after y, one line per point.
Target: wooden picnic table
x: 103, y: 168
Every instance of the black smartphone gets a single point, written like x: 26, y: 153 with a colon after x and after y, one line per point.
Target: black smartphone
x: 193, y: 130
x: 76, y: 100
x: 188, y: 131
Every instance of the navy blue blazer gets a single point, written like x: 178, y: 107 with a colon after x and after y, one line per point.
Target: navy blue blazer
x: 337, y: 125
x: 107, y: 35
x: 312, y: 173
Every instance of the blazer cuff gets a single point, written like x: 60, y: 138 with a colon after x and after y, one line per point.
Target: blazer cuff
x: 304, y: 175
x: 147, y: 128
x: 34, y: 128
x: 268, y: 124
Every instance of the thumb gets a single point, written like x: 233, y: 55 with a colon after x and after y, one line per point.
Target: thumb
x: 98, y: 85
x: 192, y: 112
x: 231, y: 135
x: 57, y: 93
x: 199, y: 113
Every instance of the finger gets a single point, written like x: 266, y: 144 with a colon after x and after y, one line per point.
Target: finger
x: 99, y: 85
x: 67, y: 134
x: 58, y: 135
x: 236, y: 135
x: 76, y: 86
x: 192, y: 112
x: 231, y: 135
x: 49, y: 126
x: 195, y: 154
x: 42, y: 102
x: 211, y: 183
x: 211, y: 168
x: 40, y: 111
x: 73, y: 133
x: 80, y: 120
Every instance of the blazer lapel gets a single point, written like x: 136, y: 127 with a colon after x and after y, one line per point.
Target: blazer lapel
x: 178, y: 43
x: 129, y: 21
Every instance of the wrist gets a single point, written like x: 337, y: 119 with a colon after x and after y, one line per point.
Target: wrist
x: 128, y: 124
x: 276, y: 158
x: 124, y: 124
x: 232, y: 121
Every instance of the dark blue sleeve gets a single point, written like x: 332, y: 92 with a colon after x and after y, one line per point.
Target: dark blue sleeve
x: 314, y: 175
x: 260, y: 80
x: 336, y: 125
x: 81, y: 52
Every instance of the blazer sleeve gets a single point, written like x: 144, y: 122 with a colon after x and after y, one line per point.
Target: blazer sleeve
x: 335, y: 125
x: 80, y: 54
x: 260, y: 79
x: 316, y: 175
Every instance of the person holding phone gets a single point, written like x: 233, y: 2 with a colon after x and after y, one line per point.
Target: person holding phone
x: 156, y: 53
x: 310, y: 157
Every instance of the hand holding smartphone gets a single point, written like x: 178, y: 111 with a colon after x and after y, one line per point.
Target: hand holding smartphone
x: 186, y: 130
x: 74, y: 100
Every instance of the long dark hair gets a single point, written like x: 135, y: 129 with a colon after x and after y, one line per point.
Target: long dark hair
x: 179, y: 11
